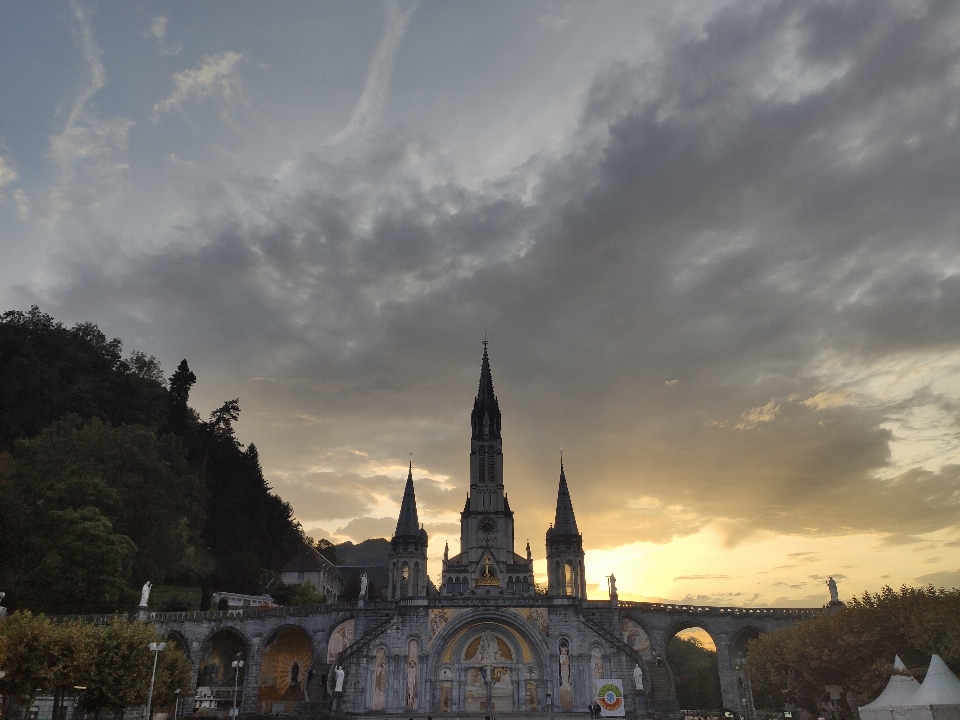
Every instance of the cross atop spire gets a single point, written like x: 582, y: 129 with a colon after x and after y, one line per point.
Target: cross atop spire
x: 485, y: 418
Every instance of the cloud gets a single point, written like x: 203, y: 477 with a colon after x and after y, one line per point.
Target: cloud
x: 90, y: 151
x: 946, y: 579
x: 369, y: 107
x: 702, y: 577
x: 750, y: 215
x: 363, y: 528
x: 23, y: 204
x: 215, y: 76
x: 752, y: 418
x: 7, y: 174
x: 158, y: 29
x: 828, y: 399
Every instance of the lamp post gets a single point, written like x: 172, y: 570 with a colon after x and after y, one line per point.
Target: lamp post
x: 156, y: 649
x: 236, y: 665
x: 176, y: 706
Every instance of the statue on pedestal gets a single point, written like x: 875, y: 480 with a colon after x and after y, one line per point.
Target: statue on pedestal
x: 339, y: 673
x: 363, y: 586
x: 145, y: 593
x: 638, y: 677
x: 832, y: 585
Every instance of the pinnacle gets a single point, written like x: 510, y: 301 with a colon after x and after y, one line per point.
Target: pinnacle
x: 408, y: 523
x: 565, y: 522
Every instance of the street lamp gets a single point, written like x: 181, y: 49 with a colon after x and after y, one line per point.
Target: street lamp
x: 156, y: 649
x: 236, y: 665
x: 176, y: 706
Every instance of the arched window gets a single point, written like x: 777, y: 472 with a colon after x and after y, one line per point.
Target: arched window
x: 568, y: 578
x: 526, y: 586
x: 404, y: 580
x: 511, y: 584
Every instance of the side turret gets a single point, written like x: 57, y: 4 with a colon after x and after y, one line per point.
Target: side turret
x: 565, y: 566
x: 408, y: 549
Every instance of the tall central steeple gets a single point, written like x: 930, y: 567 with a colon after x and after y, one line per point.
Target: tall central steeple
x: 485, y: 418
x: 486, y: 555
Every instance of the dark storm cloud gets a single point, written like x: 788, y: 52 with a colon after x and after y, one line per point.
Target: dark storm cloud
x: 779, y: 189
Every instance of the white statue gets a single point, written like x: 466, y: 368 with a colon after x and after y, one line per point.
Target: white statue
x: 832, y: 585
x: 339, y: 673
x: 613, y: 586
x: 638, y: 677
x: 145, y: 593
x: 363, y: 586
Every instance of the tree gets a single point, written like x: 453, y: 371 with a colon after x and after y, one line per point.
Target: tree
x: 179, y: 412
x: 30, y: 647
x: 98, y: 508
x: 854, y: 648
x: 47, y: 370
x: 327, y: 549
x: 695, y: 674
x: 299, y: 594
x: 122, y: 664
x: 81, y: 563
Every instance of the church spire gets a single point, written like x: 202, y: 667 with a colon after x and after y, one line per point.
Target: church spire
x: 408, y: 524
x: 485, y: 418
x: 565, y: 523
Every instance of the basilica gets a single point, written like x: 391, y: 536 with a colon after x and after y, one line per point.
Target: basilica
x: 485, y: 641
x: 487, y: 562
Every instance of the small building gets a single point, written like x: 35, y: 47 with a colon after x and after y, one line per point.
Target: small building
x: 310, y: 566
x: 236, y: 601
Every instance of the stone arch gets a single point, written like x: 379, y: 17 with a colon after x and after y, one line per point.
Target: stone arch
x: 446, y: 670
x: 742, y: 636
x: 173, y: 636
x: 285, y: 666
x: 218, y: 650
x: 703, y: 691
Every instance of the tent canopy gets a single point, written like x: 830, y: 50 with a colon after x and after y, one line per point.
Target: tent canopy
x: 940, y: 686
x: 899, y: 691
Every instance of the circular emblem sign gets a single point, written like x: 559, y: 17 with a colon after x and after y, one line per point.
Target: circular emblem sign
x: 610, y: 697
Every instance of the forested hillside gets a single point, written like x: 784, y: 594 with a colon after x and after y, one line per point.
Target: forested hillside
x: 108, y: 478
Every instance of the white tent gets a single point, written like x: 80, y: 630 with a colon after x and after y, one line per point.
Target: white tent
x: 898, y: 692
x: 940, y: 686
x: 938, y: 698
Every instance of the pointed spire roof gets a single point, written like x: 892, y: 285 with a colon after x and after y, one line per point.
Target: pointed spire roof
x: 485, y: 418
x: 408, y: 523
x: 565, y: 522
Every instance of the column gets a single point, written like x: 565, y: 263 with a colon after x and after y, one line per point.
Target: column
x: 728, y: 674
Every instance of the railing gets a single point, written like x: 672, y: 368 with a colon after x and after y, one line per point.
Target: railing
x: 719, y: 610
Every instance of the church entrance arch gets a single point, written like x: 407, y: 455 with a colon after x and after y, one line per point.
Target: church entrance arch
x: 284, y: 670
x: 488, y: 665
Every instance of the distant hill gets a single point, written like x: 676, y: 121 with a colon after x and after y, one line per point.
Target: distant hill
x: 369, y: 552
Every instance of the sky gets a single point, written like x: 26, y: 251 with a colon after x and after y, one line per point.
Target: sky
x: 713, y: 246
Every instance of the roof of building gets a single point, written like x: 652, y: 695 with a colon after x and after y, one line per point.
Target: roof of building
x: 309, y: 560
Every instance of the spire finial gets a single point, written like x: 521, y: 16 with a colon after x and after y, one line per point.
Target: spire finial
x: 484, y: 342
x: 561, y: 458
